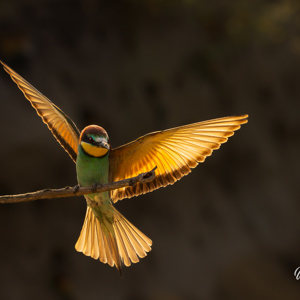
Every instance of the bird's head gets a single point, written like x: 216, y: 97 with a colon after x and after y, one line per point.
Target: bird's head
x: 94, y: 141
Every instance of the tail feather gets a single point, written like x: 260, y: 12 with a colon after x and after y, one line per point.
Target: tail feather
x: 135, y: 242
x: 123, y: 249
x: 100, y: 241
x: 139, y: 240
x: 94, y: 241
x: 112, y: 243
x: 88, y: 245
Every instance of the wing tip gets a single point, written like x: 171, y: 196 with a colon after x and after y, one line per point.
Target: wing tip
x: 6, y: 68
x: 244, y: 118
x: 3, y: 64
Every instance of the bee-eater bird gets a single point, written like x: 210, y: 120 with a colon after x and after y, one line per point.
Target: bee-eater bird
x: 106, y: 234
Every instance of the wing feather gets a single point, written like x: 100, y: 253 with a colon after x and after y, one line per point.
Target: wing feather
x: 174, y: 151
x: 61, y: 126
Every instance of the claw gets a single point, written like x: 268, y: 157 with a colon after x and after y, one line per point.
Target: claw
x: 75, y: 189
x: 94, y: 187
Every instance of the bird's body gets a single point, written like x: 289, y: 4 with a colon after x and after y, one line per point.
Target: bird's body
x: 106, y: 234
x: 90, y: 171
x: 105, y: 230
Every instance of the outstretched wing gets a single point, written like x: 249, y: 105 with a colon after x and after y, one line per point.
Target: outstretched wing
x: 61, y: 126
x: 174, y: 151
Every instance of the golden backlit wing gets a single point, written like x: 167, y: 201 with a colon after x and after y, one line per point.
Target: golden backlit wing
x: 61, y: 126
x: 174, y: 151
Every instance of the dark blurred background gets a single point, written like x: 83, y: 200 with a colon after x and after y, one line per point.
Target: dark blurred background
x: 229, y: 230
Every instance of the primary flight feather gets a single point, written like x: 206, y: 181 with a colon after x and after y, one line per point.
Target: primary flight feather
x: 106, y: 234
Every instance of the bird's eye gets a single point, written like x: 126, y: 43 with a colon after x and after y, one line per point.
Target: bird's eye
x: 91, y: 140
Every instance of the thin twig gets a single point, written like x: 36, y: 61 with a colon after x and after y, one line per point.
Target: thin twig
x: 78, y: 191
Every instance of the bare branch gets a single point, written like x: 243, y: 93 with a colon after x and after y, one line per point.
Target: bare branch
x: 78, y: 191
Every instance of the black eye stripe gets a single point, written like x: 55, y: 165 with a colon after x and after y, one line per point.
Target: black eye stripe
x: 89, y: 139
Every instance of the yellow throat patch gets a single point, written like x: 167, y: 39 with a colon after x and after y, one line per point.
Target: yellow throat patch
x: 93, y: 150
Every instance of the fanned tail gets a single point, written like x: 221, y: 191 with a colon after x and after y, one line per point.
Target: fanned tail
x: 112, y: 243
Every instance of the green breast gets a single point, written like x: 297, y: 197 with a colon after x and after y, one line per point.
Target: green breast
x: 91, y: 170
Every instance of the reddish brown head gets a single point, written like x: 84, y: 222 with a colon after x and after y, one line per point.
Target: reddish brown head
x: 94, y: 141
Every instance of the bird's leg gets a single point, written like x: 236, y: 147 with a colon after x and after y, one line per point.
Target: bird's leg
x: 75, y: 189
x: 94, y: 187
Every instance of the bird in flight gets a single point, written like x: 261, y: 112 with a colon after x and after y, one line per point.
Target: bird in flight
x: 106, y: 234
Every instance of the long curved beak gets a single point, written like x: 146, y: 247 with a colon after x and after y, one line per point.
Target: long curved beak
x: 103, y: 144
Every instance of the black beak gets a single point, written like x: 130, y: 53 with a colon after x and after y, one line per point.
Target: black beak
x: 103, y: 144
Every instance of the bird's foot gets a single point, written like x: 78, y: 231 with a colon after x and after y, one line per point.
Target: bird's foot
x: 94, y: 187
x: 75, y: 189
